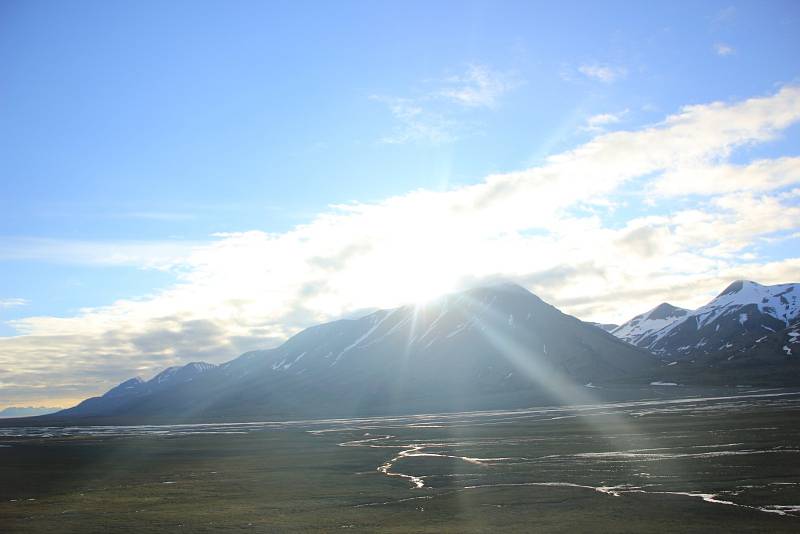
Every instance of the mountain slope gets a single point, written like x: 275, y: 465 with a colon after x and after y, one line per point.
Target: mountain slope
x: 469, y: 349
x: 643, y: 330
x: 745, y: 323
x: 608, y: 327
x: 742, y: 313
x: 764, y: 346
x: 136, y: 388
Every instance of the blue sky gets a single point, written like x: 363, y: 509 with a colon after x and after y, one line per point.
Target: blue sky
x: 137, y: 136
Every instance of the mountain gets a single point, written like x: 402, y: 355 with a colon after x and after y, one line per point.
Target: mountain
x: 642, y: 330
x: 743, y: 312
x: 178, y: 375
x: 785, y: 342
x: 754, y: 357
x: 488, y: 347
x: 25, y: 411
x: 729, y: 328
x: 782, y: 345
x: 136, y: 388
x: 608, y: 327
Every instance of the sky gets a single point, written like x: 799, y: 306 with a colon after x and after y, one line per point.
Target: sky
x: 186, y: 181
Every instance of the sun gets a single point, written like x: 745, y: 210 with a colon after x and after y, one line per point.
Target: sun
x: 421, y: 290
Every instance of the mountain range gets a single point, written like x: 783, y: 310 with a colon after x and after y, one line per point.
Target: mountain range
x: 743, y: 315
x: 489, y: 347
x: 746, y: 334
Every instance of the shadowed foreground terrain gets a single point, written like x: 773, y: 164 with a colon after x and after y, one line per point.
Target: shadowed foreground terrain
x: 691, y: 465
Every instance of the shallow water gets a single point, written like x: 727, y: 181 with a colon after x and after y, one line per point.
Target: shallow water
x: 680, y: 448
x: 699, y: 462
x: 687, y: 405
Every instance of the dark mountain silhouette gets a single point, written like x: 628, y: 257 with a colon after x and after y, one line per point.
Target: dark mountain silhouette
x: 488, y: 347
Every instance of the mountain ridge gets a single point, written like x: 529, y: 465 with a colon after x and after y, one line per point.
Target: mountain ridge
x: 496, y: 346
x: 487, y: 342
x: 643, y: 329
x: 729, y: 323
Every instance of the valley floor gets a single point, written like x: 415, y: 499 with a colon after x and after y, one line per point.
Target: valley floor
x: 680, y: 465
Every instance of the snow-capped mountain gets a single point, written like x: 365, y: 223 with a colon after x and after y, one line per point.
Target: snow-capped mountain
x: 744, y: 312
x: 483, y: 347
x: 642, y: 330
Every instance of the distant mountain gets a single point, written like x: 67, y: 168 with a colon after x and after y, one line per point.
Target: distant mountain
x: 730, y: 327
x: 26, y: 411
x: 487, y: 347
x: 643, y: 329
x: 608, y: 327
x: 137, y: 388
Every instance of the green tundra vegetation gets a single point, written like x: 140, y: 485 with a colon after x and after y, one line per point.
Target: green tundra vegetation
x: 692, y: 466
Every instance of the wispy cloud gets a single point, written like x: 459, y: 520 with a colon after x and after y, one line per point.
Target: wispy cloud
x: 415, y: 122
x: 598, y: 123
x: 431, y: 117
x: 479, y: 86
x: 724, y: 15
x: 156, y: 215
x: 603, y: 73
x: 146, y: 254
x: 12, y: 303
x: 252, y: 289
x: 723, y: 49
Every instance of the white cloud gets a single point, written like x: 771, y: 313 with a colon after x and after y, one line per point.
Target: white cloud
x: 598, y: 123
x: 251, y: 289
x: 723, y: 49
x: 478, y: 87
x: 417, y: 123
x: 603, y: 73
x: 146, y: 254
x: 12, y: 303
x: 426, y: 118
x: 712, y: 179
